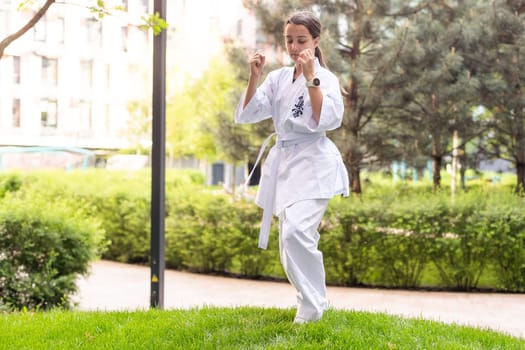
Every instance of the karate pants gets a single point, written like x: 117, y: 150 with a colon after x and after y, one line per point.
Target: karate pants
x: 301, y: 259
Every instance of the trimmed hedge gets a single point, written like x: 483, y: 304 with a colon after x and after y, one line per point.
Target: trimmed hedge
x: 478, y: 236
x: 210, y: 232
x: 44, y: 247
x: 392, y: 236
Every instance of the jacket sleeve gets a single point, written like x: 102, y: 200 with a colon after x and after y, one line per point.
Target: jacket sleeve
x: 260, y: 105
x: 331, y: 110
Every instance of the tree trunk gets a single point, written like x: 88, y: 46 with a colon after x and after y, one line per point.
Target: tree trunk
x: 436, y: 160
x: 10, y: 38
x: 520, y: 153
x: 455, y: 143
x: 436, y: 170
x: 519, y: 141
x: 234, y: 179
x: 354, y: 174
x: 352, y: 153
x: 519, y: 134
x: 520, y: 172
x: 355, y: 185
x: 462, y: 172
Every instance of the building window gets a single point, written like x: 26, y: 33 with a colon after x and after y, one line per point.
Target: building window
x: 49, y: 71
x: 108, y: 77
x: 93, y: 32
x: 15, y: 121
x: 214, y: 24
x: 107, y: 118
x: 40, y: 30
x: 85, y: 122
x: 140, y: 40
x: 16, y: 69
x: 55, y: 30
x: 125, y: 34
x: 86, y: 74
x: 48, y: 113
x: 239, y: 28
x: 4, y: 23
x: 145, y: 6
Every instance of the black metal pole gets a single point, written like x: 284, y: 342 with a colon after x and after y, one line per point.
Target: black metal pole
x: 158, y: 165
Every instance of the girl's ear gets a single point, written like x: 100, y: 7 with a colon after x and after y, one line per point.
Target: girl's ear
x: 316, y: 41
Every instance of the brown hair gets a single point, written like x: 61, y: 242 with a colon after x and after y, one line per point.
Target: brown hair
x: 312, y: 23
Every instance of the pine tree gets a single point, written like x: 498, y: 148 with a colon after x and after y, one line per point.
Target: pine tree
x: 502, y: 66
x: 412, y: 73
x: 362, y: 29
x: 433, y: 89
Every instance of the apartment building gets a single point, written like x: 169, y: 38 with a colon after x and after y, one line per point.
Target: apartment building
x: 68, y: 81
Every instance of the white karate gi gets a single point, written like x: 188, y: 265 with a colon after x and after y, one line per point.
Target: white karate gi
x: 303, y: 170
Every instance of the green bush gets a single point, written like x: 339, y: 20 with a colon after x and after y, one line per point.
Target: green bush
x: 9, y: 183
x: 348, y: 242
x: 126, y: 221
x: 507, y: 224
x: 252, y: 261
x: 205, y: 232
x: 210, y: 232
x: 44, y: 247
x: 375, y: 240
x: 52, y: 229
x: 120, y: 200
x: 409, y: 228
x: 396, y: 235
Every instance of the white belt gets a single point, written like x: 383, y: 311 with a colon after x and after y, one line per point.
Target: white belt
x: 268, y: 205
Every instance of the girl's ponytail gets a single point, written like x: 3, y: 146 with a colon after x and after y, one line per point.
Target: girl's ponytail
x: 319, y: 55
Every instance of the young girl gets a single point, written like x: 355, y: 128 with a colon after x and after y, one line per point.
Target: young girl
x: 304, y: 169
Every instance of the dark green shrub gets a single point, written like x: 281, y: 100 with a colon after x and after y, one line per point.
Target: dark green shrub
x: 204, y: 232
x: 126, y: 221
x: 253, y: 261
x: 394, y: 235
x: 44, y: 247
x: 408, y: 229
x: 507, y: 225
x: 462, y: 255
x: 348, y: 241
x: 208, y: 231
x: 9, y: 183
x: 119, y: 199
x: 402, y: 258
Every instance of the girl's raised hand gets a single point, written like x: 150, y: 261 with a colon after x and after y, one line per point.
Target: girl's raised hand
x: 306, y: 59
x: 257, y: 64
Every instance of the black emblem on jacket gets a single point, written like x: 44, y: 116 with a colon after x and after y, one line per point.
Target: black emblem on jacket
x: 297, y: 111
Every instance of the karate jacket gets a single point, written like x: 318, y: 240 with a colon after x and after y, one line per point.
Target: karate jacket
x: 304, y: 163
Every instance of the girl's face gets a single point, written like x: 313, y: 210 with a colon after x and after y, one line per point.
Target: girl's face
x: 298, y: 38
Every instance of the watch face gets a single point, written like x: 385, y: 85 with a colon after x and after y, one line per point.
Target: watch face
x: 314, y: 82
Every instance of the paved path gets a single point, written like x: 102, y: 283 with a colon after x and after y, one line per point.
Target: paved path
x: 115, y: 286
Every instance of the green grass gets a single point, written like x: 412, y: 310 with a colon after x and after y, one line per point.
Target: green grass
x: 237, y: 328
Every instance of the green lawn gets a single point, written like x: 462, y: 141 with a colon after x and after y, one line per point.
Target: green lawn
x: 237, y: 328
